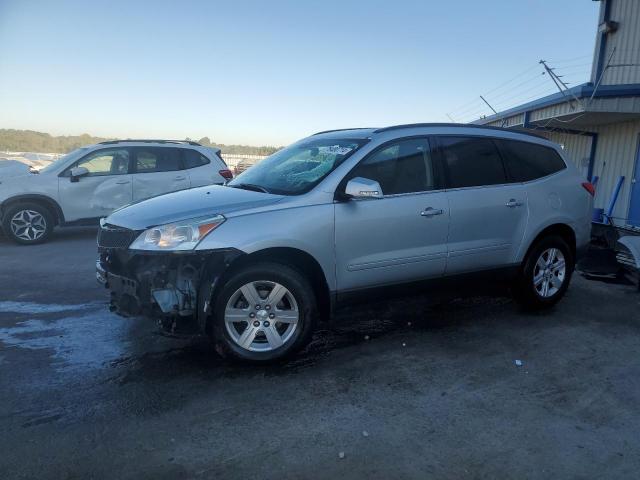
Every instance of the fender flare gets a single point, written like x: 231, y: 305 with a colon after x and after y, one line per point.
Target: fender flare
x: 52, y: 204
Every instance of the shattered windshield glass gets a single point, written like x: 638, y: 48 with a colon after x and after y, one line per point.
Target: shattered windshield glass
x: 299, y: 167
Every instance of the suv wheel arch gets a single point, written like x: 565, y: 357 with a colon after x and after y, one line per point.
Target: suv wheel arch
x: 562, y: 230
x: 47, y: 202
x: 300, y: 260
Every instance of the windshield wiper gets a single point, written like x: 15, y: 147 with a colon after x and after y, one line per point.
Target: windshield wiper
x: 249, y: 186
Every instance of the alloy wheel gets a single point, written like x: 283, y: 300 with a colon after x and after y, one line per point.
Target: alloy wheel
x: 28, y: 225
x: 549, y: 272
x: 261, y: 316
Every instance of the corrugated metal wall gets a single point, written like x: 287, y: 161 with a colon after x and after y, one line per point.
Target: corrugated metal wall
x: 617, y: 146
x: 509, y: 121
x: 626, y: 42
x: 564, y: 108
x: 576, y: 148
x: 615, y: 157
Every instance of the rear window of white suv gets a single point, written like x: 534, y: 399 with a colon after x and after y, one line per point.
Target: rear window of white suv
x: 193, y: 159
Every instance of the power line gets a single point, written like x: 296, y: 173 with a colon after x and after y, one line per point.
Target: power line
x: 565, y: 60
x: 535, y: 87
x: 549, y: 91
x: 511, y: 80
x: 468, y: 106
x: 537, y: 77
x: 519, y: 75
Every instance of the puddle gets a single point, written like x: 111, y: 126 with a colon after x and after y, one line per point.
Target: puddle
x: 31, y: 308
x: 75, y: 341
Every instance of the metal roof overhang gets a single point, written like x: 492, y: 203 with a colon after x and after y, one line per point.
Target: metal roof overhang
x: 577, y: 108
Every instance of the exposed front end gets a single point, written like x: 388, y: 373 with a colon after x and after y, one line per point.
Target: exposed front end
x: 172, y: 287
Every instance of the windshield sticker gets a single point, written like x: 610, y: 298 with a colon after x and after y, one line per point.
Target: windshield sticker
x: 334, y: 150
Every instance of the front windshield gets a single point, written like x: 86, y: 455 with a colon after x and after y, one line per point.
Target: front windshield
x: 299, y: 167
x: 72, y: 154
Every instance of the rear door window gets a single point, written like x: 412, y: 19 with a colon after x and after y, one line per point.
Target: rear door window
x: 404, y: 166
x: 471, y: 161
x: 528, y: 161
x: 149, y: 160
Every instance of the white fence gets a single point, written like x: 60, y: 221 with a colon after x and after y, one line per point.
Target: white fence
x: 232, y: 159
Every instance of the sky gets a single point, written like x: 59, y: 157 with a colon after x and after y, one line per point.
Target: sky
x: 271, y: 72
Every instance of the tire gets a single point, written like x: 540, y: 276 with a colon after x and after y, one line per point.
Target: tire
x: 244, y: 332
x: 36, y: 220
x: 552, y: 277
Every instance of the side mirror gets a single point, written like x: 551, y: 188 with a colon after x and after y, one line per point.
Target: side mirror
x: 77, y: 172
x: 359, y: 187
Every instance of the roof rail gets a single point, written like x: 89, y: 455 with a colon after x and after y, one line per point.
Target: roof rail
x: 460, y: 125
x: 341, y: 130
x: 146, y: 140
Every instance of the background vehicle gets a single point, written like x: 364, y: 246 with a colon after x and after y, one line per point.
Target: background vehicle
x: 243, y: 164
x: 93, y: 181
x: 346, y: 213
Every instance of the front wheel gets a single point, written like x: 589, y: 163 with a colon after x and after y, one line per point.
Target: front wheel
x: 27, y: 223
x: 546, y: 274
x: 263, y: 313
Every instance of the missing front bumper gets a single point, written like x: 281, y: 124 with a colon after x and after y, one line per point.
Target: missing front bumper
x: 173, y: 289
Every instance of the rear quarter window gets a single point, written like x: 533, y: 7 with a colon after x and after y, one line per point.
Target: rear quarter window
x: 529, y: 161
x: 193, y: 159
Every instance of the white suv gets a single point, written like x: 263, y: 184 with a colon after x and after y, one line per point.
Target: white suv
x: 93, y: 181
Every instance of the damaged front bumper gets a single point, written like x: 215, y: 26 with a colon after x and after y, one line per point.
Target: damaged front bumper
x: 174, y: 288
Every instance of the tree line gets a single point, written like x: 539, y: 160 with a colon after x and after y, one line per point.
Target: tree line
x: 31, y: 141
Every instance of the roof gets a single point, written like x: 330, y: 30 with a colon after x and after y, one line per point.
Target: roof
x: 132, y: 140
x: 586, y: 90
x: 357, y: 132
x: 368, y: 132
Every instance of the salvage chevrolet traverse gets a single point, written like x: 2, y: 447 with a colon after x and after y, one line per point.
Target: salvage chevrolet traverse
x: 257, y: 263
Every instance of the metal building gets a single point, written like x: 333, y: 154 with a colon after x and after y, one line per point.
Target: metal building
x: 598, y: 122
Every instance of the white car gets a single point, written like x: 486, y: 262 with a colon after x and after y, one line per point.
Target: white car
x: 93, y: 181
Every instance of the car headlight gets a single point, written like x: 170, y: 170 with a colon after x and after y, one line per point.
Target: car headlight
x: 183, y: 235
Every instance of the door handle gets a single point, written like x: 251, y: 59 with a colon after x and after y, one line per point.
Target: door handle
x: 180, y: 177
x: 513, y: 203
x: 122, y: 182
x: 431, y: 212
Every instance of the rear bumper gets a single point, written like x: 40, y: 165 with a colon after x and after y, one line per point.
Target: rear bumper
x: 172, y: 288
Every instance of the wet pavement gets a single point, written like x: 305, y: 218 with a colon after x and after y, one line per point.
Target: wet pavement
x: 401, y: 389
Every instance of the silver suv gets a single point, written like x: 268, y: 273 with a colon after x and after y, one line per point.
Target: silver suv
x: 255, y: 264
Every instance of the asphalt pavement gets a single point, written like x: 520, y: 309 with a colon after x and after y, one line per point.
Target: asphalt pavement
x: 400, y: 389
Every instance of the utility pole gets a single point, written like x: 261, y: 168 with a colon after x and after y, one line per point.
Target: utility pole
x: 488, y: 105
x: 562, y: 87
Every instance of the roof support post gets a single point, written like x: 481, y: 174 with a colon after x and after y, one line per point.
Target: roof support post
x: 592, y: 154
x: 603, y: 41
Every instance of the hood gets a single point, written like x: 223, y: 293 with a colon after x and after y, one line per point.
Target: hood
x: 185, y: 204
x: 12, y: 169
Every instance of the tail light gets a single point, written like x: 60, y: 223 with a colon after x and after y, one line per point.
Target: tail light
x: 226, y: 174
x: 588, y: 186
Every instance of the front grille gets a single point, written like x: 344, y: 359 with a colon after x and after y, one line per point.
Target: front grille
x: 115, y: 237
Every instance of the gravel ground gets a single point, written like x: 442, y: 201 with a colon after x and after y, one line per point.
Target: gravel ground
x: 399, y: 389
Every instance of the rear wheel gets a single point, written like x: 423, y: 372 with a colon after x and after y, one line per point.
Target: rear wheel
x: 264, y: 313
x: 546, y: 274
x: 28, y: 223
